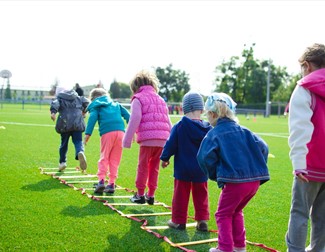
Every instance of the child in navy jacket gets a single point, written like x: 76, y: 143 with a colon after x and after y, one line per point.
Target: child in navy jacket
x: 183, y: 143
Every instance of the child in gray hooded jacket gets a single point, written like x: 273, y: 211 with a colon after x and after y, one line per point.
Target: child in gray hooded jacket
x: 70, y: 123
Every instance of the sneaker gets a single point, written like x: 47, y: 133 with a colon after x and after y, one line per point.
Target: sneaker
x: 202, y: 226
x: 110, y: 188
x: 100, y: 187
x: 215, y: 250
x: 176, y: 226
x: 62, y: 166
x: 82, y: 161
x: 149, y: 200
x: 138, y: 199
x: 236, y: 249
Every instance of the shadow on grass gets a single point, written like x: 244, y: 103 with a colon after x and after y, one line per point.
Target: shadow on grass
x: 133, y: 240
x: 44, y: 185
x: 94, y: 208
x: 190, y: 235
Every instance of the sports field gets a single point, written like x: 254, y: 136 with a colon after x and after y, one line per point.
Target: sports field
x: 38, y: 213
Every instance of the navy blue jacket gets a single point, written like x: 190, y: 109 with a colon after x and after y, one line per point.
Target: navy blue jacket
x: 232, y: 153
x: 183, y: 143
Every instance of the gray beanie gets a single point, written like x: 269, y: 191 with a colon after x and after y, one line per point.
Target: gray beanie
x: 192, y: 101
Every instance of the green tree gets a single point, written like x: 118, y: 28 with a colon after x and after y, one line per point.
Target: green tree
x: 8, y: 91
x: 245, y: 78
x: 54, y: 86
x: 119, y: 90
x: 173, y: 83
x: 283, y: 93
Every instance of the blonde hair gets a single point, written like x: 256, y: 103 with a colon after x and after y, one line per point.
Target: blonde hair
x: 314, y: 54
x: 222, y: 105
x: 97, y: 92
x: 144, y: 78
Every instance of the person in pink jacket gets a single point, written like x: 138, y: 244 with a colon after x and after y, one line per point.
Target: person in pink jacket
x: 307, y: 145
x: 150, y: 121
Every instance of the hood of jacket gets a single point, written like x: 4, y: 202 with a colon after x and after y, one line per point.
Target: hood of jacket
x: 197, y: 129
x: 68, y: 95
x: 101, y: 101
x: 314, y: 82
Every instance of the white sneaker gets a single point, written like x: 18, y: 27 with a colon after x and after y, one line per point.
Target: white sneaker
x: 62, y: 166
x: 243, y: 249
x: 214, y: 250
x: 82, y: 161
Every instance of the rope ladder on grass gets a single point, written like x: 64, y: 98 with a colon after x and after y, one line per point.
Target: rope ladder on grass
x: 73, y: 177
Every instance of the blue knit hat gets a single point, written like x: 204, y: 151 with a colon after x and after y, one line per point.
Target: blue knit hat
x: 192, y: 101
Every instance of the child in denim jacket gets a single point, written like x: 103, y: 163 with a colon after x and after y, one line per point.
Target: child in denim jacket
x: 235, y: 158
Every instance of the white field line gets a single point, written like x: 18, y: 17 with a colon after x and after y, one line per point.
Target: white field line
x: 29, y: 124
x: 280, y: 135
x: 32, y: 124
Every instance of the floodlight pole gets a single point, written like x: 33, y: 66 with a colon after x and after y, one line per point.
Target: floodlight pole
x: 267, y: 105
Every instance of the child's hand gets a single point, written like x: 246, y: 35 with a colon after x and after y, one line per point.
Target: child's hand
x: 164, y: 164
x: 53, y: 116
x: 86, y: 139
x: 302, y: 177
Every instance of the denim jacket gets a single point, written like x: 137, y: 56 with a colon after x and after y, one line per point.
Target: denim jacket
x: 231, y: 153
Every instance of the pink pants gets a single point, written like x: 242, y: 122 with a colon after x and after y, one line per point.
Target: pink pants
x: 230, y: 217
x: 181, y: 198
x: 110, y: 155
x: 148, y: 169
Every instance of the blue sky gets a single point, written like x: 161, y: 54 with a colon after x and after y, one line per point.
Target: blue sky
x: 87, y: 41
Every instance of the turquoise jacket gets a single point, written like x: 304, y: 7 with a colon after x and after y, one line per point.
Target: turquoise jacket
x: 108, y: 114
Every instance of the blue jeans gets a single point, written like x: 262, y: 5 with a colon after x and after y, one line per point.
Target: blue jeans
x: 77, y: 141
x: 308, y: 199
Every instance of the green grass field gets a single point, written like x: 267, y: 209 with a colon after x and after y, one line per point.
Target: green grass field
x: 38, y: 213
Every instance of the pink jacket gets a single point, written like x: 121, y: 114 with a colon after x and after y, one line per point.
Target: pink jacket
x: 152, y: 124
x: 307, y: 126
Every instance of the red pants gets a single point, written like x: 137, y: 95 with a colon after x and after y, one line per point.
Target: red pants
x: 182, y: 190
x: 148, y: 169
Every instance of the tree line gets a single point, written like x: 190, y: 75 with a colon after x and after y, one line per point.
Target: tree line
x: 243, y: 77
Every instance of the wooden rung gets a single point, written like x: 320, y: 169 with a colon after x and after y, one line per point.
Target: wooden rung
x: 134, y: 204
x: 80, y: 176
x: 57, y: 168
x: 112, y: 196
x: 196, y: 242
x: 93, y: 188
x: 81, y: 182
x: 66, y: 172
x: 147, y: 214
x: 119, y: 188
x: 166, y: 227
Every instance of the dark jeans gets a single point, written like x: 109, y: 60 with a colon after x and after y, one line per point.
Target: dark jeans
x: 77, y: 141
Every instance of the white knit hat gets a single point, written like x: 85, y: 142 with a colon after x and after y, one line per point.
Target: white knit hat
x: 192, y: 101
